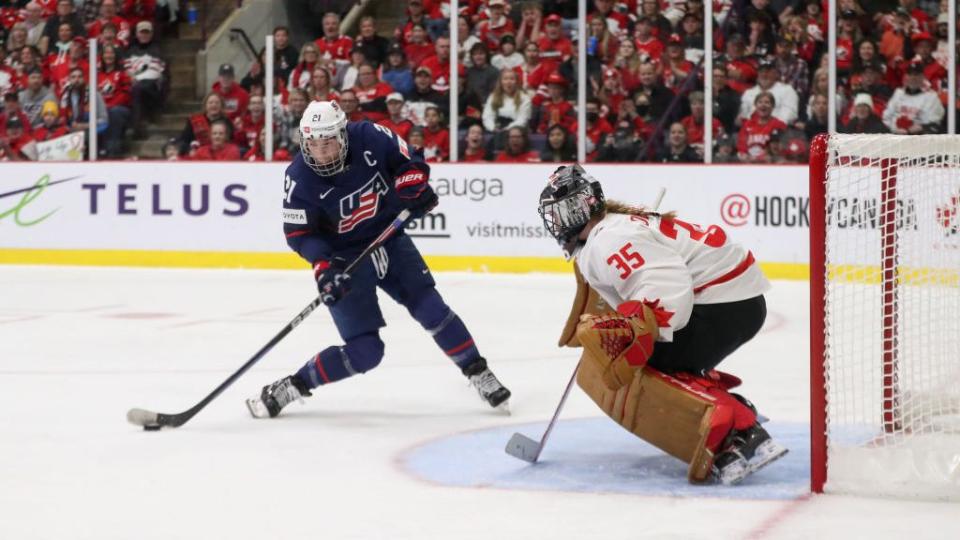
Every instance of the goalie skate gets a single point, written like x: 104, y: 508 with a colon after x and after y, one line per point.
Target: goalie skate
x: 275, y: 396
x: 749, y: 451
x: 487, y: 385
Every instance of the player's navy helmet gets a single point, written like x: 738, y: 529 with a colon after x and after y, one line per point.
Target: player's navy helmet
x: 324, y: 120
x: 568, y: 202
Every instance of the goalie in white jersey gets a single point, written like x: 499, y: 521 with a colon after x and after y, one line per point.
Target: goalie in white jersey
x: 688, y: 298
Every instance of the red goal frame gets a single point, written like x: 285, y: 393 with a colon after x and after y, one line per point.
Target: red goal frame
x: 819, y: 162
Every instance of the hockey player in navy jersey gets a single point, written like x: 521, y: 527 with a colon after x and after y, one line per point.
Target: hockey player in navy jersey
x: 346, y: 186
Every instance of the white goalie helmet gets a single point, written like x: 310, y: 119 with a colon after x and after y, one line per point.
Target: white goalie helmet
x: 324, y: 120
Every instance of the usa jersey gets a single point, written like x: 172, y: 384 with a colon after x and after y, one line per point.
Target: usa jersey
x: 341, y: 214
x: 629, y: 257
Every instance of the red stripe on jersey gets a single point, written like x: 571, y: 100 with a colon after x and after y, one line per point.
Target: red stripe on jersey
x: 295, y: 234
x: 731, y: 275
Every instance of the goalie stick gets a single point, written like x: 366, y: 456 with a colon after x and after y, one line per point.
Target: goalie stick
x: 522, y: 447
x: 151, y: 421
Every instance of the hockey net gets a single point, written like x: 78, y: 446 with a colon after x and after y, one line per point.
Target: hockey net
x: 885, y: 315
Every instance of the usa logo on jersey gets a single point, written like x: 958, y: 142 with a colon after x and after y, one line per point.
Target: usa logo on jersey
x: 362, y: 204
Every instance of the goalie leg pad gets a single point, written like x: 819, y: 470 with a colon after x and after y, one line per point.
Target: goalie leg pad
x: 687, y: 417
x: 661, y: 410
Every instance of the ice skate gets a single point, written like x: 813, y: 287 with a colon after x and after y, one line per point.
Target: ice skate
x: 275, y: 396
x: 747, y: 452
x: 487, y: 385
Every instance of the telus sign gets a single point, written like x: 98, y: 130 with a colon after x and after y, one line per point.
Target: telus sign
x: 166, y: 199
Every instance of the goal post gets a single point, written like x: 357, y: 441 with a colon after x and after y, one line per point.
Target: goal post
x: 885, y: 315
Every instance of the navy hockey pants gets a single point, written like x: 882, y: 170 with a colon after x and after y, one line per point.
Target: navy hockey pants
x: 398, y: 269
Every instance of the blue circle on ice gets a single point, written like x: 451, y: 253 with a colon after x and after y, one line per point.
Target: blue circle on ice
x: 595, y: 455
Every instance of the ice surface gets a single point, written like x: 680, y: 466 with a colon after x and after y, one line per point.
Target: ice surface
x: 363, y: 458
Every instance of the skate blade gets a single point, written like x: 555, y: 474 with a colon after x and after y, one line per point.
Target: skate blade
x: 257, y: 408
x: 766, y: 454
x: 503, y: 408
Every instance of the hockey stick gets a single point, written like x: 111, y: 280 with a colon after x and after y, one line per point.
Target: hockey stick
x: 522, y: 447
x: 153, y: 421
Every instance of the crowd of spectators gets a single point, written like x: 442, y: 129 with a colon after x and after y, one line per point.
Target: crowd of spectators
x: 769, y: 78
x: 44, y: 66
x: 517, y: 64
x: 517, y: 71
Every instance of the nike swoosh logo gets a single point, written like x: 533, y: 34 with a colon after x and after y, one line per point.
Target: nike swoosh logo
x: 325, y: 193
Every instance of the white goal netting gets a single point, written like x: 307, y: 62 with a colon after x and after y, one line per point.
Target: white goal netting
x: 892, y: 351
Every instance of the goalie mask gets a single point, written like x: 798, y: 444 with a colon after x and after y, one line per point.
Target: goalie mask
x: 572, y: 197
x: 324, y: 120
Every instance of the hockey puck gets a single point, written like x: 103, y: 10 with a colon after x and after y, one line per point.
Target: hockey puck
x: 151, y: 427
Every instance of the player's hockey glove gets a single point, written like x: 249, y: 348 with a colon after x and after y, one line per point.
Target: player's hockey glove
x: 332, y: 282
x: 415, y: 192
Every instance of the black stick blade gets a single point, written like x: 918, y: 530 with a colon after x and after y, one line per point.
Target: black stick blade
x: 522, y: 447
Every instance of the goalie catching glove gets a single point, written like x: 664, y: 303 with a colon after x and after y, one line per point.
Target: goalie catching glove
x: 621, y: 342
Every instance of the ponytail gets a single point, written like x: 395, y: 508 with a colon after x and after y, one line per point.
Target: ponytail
x: 617, y: 207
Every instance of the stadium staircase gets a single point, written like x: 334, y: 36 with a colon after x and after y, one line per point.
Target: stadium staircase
x: 179, y: 46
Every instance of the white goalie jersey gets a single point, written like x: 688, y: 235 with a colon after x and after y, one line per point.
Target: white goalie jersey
x: 679, y: 264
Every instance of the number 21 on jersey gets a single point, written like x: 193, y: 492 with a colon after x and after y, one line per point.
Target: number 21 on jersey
x: 626, y: 260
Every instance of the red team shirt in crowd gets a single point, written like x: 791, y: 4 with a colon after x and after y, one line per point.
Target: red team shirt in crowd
x: 556, y: 113
x: 417, y: 53
x: 60, y: 72
x: 436, y: 145
x: 440, y: 71
x: 367, y: 95
x: 139, y: 10
x: 652, y: 48
x: 490, y: 33
x: 229, y: 152
x: 115, y: 87
x: 10, y: 16
x: 533, y: 79
x: 554, y: 51
x: 234, y: 101
x: 695, y: 130
x: 24, y: 121
x: 9, y: 80
x: 123, y: 29
x: 473, y: 157
x: 754, y: 136
x: 246, y: 130
x: 338, y: 49
x: 526, y: 157
x: 43, y: 133
x: 844, y: 53
x: 401, y: 128
x: 669, y: 261
x: 47, y: 7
